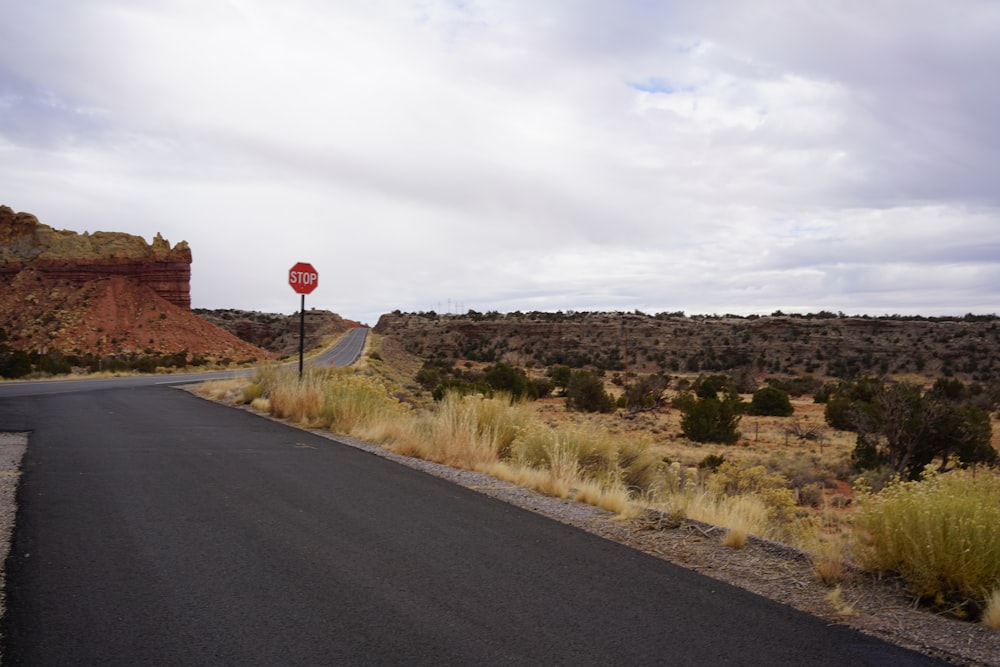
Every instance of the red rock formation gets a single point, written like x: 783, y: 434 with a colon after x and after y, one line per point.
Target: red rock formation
x: 103, y: 293
x: 66, y: 255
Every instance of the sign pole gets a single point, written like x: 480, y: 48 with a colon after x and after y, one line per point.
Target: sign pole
x: 303, y: 278
x: 302, y: 332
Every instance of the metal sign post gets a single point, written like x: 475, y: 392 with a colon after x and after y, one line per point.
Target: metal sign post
x: 304, y: 279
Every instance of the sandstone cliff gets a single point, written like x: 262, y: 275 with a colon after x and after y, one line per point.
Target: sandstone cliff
x: 63, y: 254
x: 102, y: 294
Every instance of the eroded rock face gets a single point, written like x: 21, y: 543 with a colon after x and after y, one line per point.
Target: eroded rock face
x: 104, y: 294
x: 66, y: 255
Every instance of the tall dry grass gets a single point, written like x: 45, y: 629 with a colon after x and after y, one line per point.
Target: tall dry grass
x: 468, y: 431
x: 331, y: 398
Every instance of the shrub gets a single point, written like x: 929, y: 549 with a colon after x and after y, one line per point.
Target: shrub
x: 461, y: 387
x: 711, y: 462
x: 561, y: 376
x: 771, y: 488
x: 585, y: 392
x: 711, y: 386
x: 711, y: 420
x: 771, y: 402
x: 941, y: 533
x: 14, y: 364
x: 505, y: 378
x: 647, y: 393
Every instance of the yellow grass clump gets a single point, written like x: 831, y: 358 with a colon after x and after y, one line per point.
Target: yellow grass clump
x: 941, y: 533
x: 735, y: 538
x: 220, y: 390
x: 841, y: 607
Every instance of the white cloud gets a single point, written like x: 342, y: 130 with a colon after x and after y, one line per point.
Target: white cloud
x: 709, y: 157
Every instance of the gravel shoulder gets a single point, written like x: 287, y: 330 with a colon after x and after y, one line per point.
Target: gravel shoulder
x: 12, y: 448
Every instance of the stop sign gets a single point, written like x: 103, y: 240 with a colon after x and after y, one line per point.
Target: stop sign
x: 303, y: 278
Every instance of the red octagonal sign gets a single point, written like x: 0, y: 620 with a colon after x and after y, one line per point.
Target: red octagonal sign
x: 303, y: 278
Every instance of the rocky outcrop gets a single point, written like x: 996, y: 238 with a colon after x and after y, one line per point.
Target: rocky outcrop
x: 67, y: 256
x: 105, y: 294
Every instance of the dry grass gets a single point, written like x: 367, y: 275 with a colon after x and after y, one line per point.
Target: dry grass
x: 841, y: 607
x: 747, y: 513
x: 221, y: 390
x: 991, y: 616
x: 828, y: 563
x: 734, y: 538
x: 536, y: 479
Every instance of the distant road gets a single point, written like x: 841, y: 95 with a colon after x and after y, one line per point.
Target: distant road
x: 347, y: 350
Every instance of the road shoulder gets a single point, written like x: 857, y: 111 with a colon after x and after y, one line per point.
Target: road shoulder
x: 12, y: 449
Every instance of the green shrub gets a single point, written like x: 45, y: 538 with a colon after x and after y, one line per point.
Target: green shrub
x: 771, y: 402
x: 585, y: 392
x: 505, y: 378
x: 711, y: 462
x: 712, y: 420
x: 941, y: 533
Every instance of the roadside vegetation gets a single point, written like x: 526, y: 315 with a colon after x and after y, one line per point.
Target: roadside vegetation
x: 19, y: 364
x: 886, y: 476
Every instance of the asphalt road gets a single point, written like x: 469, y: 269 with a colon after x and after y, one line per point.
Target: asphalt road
x: 155, y: 528
x: 345, y: 352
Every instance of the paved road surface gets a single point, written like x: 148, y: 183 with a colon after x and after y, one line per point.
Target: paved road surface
x: 156, y: 528
x: 345, y: 352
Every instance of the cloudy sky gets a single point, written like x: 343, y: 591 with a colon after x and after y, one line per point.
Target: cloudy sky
x: 713, y: 156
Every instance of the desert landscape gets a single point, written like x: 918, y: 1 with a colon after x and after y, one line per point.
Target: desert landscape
x: 715, y: 434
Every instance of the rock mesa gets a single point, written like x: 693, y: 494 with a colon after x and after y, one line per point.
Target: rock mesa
x: 66, y: 255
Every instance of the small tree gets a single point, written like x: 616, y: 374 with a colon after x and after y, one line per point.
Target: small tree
x: 585, y: 392
x: 900, y: 427
x: 771, y: 402
x: 560, y: 377
x: 502, y: 377
x: 646, y: 394
x: 712, y: 420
